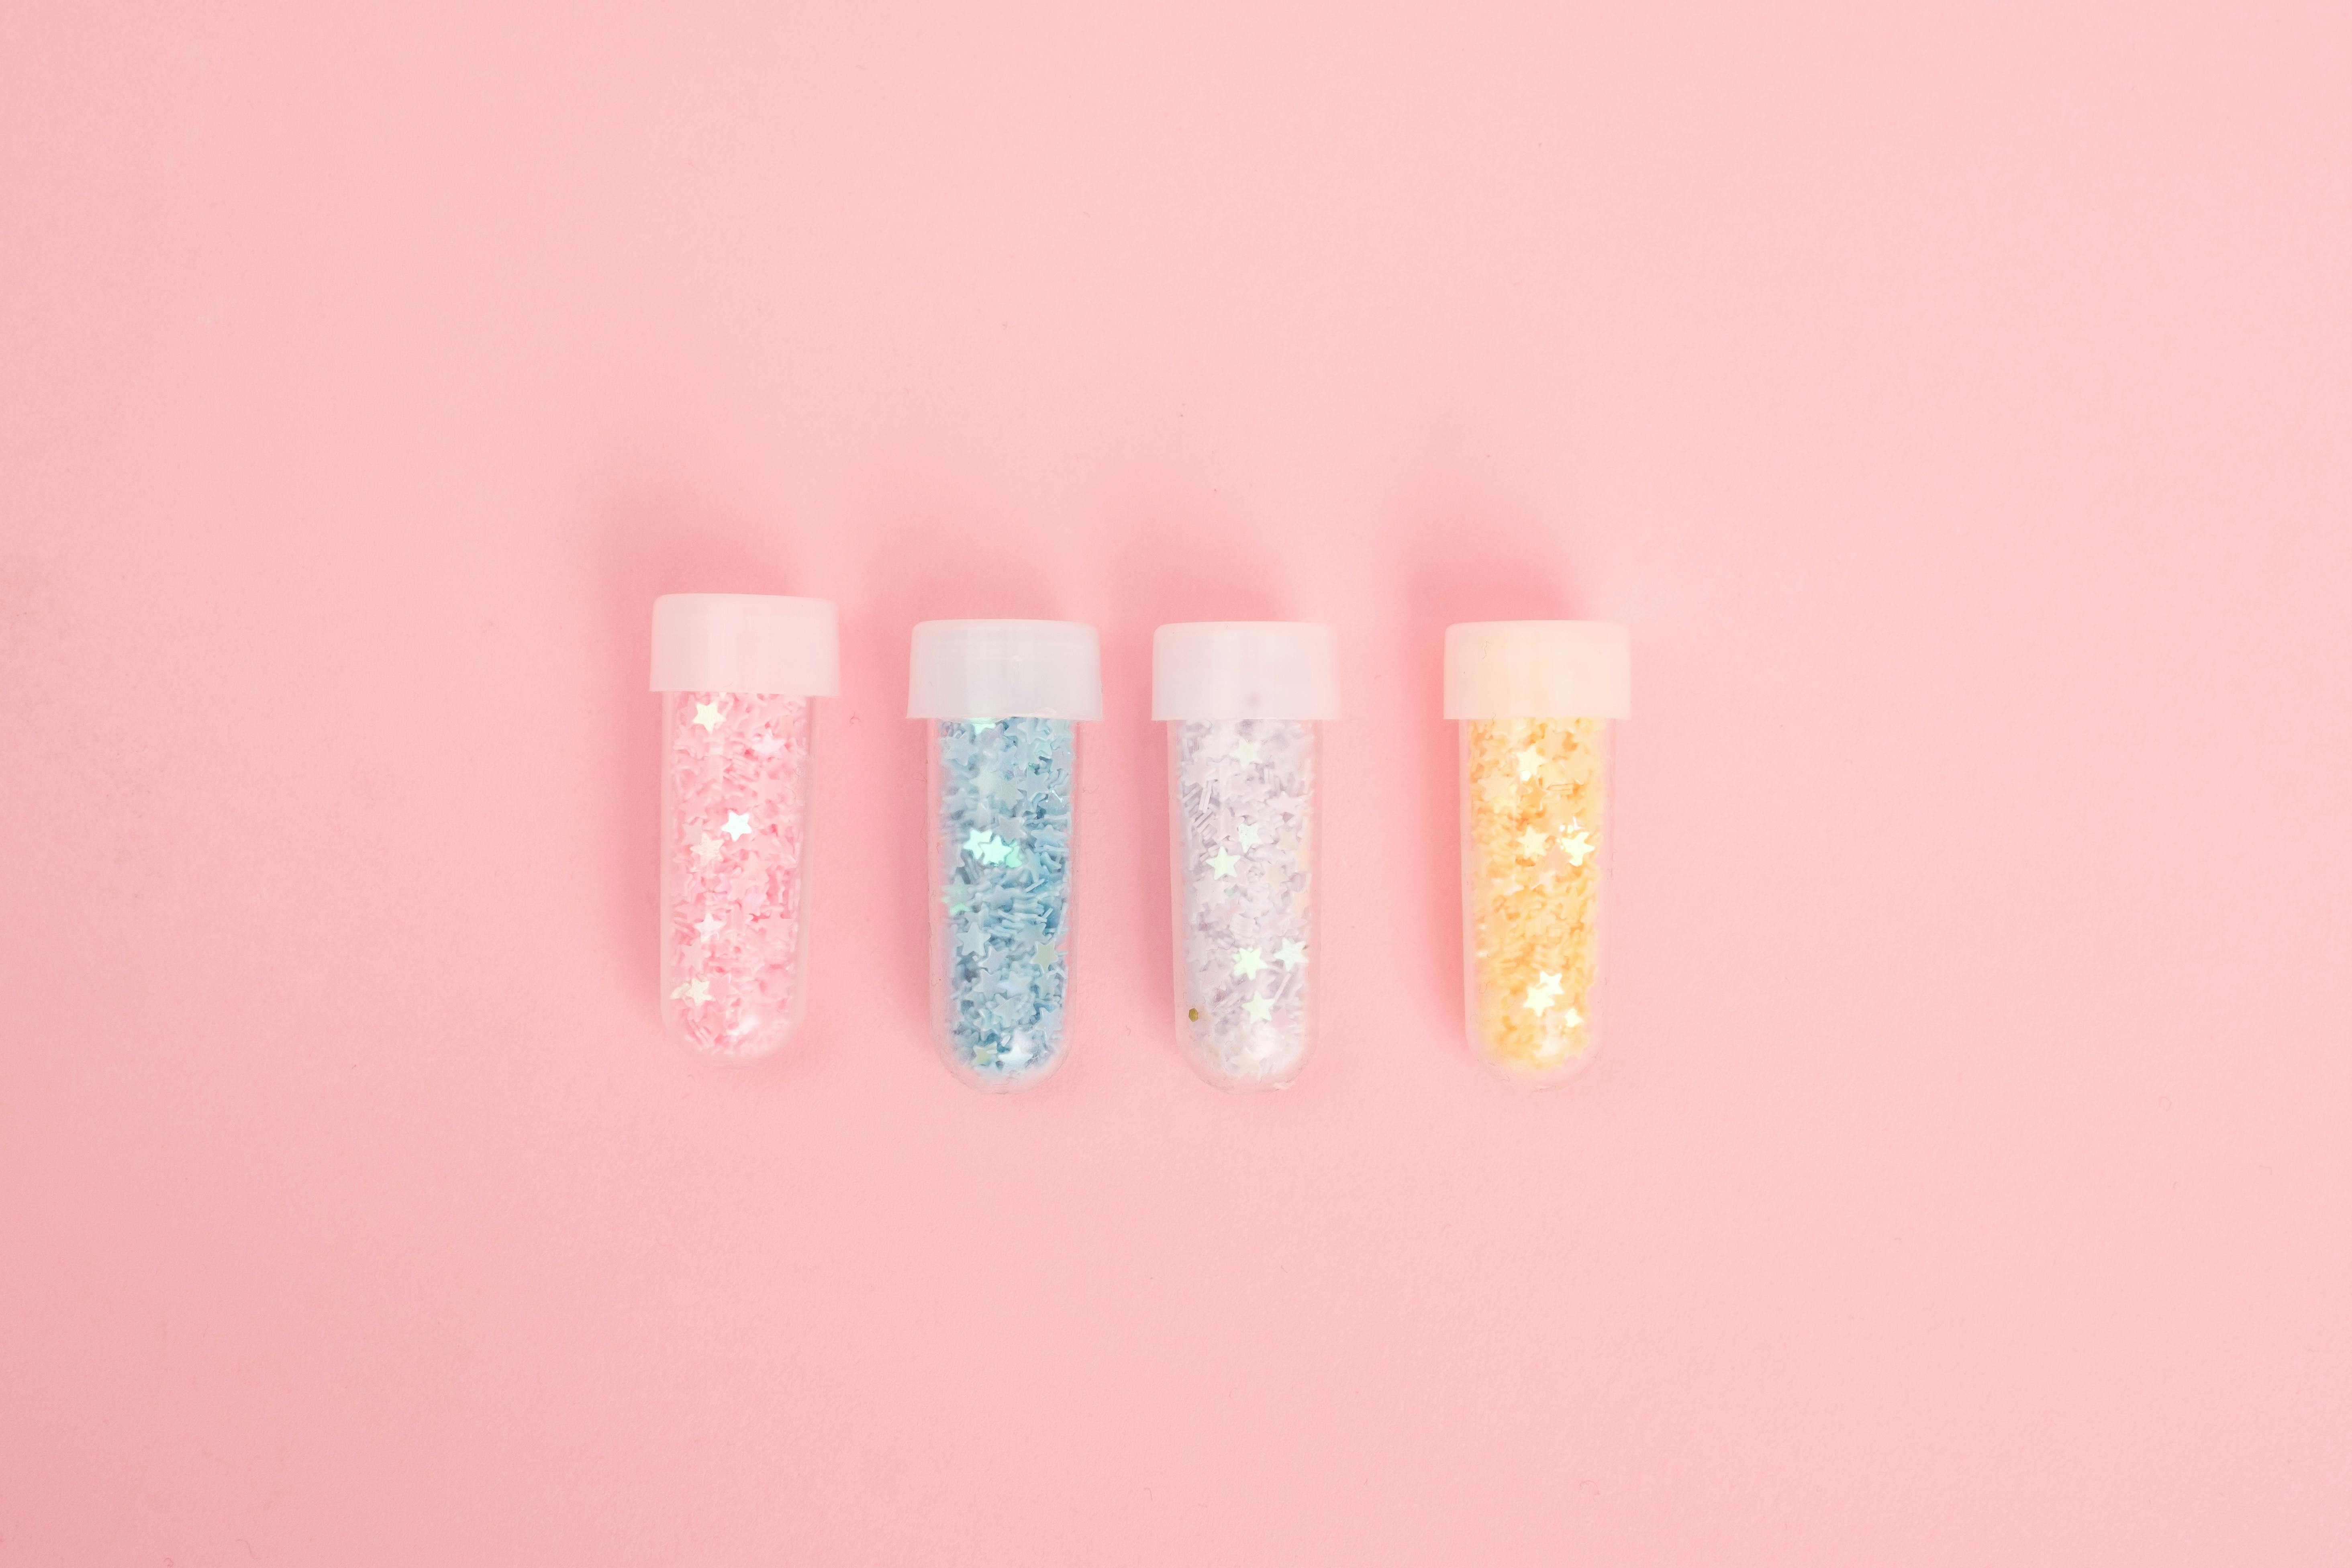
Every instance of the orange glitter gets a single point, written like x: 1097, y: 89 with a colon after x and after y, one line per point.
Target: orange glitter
x: 1535, y: 802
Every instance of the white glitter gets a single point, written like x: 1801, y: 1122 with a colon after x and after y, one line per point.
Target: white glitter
x: 1243, y: 796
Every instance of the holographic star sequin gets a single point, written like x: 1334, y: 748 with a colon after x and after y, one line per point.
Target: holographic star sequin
x: 1535, y: 790
x: 1003, y: 797
x: 1243, y: 793
x: 734, y: 799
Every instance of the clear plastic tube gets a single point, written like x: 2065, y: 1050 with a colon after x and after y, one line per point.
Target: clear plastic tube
x: 1244, y: 701
x: 734, y: 816
x: 1535, y: 835
x: 1001, y: 701
x: 1535, y: 698
x: 736, y: 674
x: 1002, y: 825
x: 1242, y: 841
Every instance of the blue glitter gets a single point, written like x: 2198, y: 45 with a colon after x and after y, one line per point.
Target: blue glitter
x: 1005, y: 788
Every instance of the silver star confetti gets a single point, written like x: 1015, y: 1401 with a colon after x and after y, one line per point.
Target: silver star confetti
x: 1244, y: 856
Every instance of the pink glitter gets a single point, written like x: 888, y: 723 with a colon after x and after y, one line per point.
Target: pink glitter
x: 734, y: 822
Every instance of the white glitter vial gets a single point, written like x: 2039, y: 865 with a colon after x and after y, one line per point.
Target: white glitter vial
x: 1001, y: 702
x: 736, y: 674
x: 1244, y: 702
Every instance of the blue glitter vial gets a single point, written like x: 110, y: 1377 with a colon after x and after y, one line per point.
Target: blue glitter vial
x: 1001, y: 701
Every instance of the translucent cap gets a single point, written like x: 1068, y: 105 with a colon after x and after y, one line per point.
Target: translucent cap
x: 1539, y: 669
x: 746, y: 642
x: 1244, y: 670
x: 1004, y: 670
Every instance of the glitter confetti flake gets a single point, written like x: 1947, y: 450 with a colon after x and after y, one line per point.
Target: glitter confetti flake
x: 1535, y: 794
x: 1002, y: 791
x: 734, y: 811
x: 1244, y: 797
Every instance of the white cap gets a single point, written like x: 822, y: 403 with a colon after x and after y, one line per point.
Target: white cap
x: 1004, y: 670
x: 1244, y: 670
x: 1539, y: 669
x: 746, y: 642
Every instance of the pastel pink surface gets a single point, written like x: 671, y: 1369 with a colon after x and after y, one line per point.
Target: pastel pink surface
x: 1951, y: 399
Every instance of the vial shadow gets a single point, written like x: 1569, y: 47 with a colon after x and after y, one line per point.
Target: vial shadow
x: 914, y: 569
x: 1187, y: 565
x: 1470, y: 564
x: 657, y: 540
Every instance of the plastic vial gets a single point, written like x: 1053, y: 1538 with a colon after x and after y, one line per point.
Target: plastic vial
x: 736, y: 673
x: 1001, y: 701
x: 1535, y: 699
x: 1244, y: 702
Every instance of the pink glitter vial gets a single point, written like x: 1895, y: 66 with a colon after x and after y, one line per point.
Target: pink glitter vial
x: 736, y: 673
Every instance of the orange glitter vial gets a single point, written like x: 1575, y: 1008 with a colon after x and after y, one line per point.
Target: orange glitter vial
x: 1535, y: 699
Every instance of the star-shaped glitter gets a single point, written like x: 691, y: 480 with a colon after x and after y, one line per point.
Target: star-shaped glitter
x: 1248, y: 834
x: 1245, y: 750
x: 706, y: 714
x: 1047, y: 953
x: 982, y: 726
x: 1544, y: 993
x: 1222, y: 863
x: 975, y: 843
x: 709, y: 848
x: 1259, y: 1008
x: 1248, y: 963
x: 695, y: 991
x: 972, y: 940
x: 1292, y: 955
x: 709, y: 926
x: 1532, y: 842
x: 739, y: 825
x: 1506, y: 886
x: 1531, y: 762
x: 1570, y: 1017
x: 1501, y: 789
x: 767, y: 744
x: 1575, y: 842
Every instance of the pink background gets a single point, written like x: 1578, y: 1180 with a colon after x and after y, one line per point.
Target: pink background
x: 1954, y: 402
